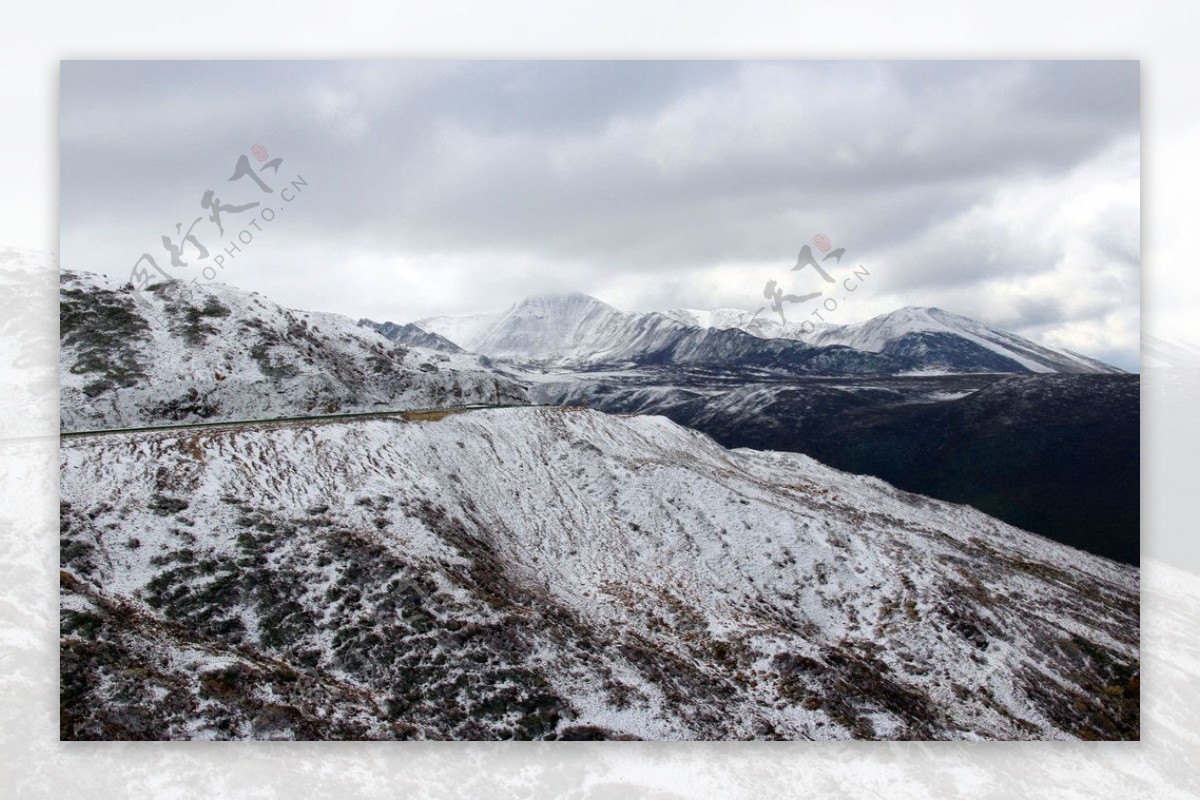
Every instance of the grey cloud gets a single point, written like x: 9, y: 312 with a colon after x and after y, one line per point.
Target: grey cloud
x: 599, y: 172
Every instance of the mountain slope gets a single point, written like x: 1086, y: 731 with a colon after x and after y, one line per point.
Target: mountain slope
x: 189, y: 352
x: 543, y: 573
x: 1054, y: 454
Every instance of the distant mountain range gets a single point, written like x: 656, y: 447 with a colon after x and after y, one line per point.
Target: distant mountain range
x: 913, y: 329
x: 577, y: 331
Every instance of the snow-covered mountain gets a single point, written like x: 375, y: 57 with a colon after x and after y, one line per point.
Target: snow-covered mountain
x: 549, y: 573
x: 576, y: 331
x: 937, y: 336
x: 913, y: 331
x: 412, y: 335
x: 571, y: 328
x: 187, y: 352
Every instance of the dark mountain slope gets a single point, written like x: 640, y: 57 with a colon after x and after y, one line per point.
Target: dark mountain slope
x: 1054, y: 454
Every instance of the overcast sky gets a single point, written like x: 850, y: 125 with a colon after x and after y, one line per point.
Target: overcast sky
x: 1005, y: 191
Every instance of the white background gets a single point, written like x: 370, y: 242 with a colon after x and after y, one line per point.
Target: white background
x: 35, y: 36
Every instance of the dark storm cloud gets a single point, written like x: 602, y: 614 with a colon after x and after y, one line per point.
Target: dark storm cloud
x: 657, y: 182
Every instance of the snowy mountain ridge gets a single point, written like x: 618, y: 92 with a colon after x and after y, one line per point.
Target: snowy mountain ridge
x: 879, y: 333
x: 189, y: 352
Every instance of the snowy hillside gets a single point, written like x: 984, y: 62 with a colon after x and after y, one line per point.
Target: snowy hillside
x: 188, y: 352
x: 546, y: 573
x: 576, y: 331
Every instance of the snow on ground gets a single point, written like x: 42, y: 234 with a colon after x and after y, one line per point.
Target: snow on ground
x: 650, y: 582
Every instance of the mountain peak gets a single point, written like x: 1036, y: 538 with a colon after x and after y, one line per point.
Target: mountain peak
x: 549, y: 324
x: 560, y: 300
x: 918, y: 313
